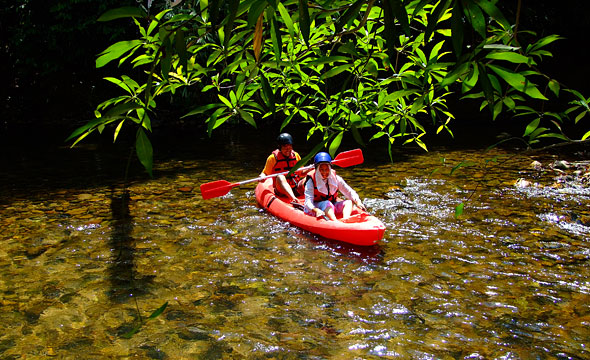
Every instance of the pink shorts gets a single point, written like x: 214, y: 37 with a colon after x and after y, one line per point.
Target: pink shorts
x: 324, y: 205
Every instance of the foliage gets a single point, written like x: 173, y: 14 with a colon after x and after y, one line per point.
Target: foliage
x: 141, y: 321
x: 379, y: 69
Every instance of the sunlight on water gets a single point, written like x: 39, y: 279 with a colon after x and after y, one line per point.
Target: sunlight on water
x: 505, y: 279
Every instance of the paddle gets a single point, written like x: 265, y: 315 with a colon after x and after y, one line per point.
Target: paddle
x: 221, y: 187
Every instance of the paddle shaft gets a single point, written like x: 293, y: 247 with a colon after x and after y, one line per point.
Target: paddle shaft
x: 271, y: 175
x: 222, y: 187
x: 342, y: 157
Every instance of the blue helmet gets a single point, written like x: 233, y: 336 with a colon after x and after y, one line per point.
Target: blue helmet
x: 322, y: 157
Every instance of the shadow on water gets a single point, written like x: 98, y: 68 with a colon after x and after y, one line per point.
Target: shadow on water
x: 122, y: 275
x: 362, y: 254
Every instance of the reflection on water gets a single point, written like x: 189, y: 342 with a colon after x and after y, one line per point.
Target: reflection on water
x: 508, y: 279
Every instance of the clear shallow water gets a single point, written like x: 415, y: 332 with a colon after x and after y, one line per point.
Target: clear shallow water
x: 508, y: 279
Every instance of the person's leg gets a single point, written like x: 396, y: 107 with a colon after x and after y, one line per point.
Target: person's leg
x: 283, y: 187
x: 344, y: 208
x: 300, y: 188
x: 347, y: 210
x: 328, y: 209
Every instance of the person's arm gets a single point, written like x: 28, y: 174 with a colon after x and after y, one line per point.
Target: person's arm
x: 269, y: 165
x: 349, y: 192
x: 309, y: 195
x: 309, y: 199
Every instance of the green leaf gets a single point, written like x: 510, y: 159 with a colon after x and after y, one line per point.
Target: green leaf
x: 202, y: 109
x: 457, y: 28
x: 454, y: 75
x: 117, y: 130
x: 214, y: 121
x: 336, y: 70
x: 421, y: 144
x: 357, y: 135
x: 471, y: 80
x: 532, y: 126
x: 275, y: 34
x: 398, y: 94
x: 536, y: 133
x: 475, y: 17
x: 231, y: 17
x: 399, y: 11
x: 268, y: 93
x: 225, y: 101
x: 158, y: 311
x: 348, y: 15
x: 509, y: 102
x: 255, y: 10
x: 90, y: 125
x: 459, y: 210
x: 336, y: 143
x: 578, y: 95
x: 586, y: 136
x: 554, y: 87
x: 580, y: 116
x: 180, y: 46
x: 122, y: 12
x: 287, y: 19
x: 512, y: 57
x: 518, y: 81
x: 115, y: 51
x: 304, y: 21
x: 130, y: 86
x: 122, y: 108
x: 247, y: 117
x: 132, y: 332
x: 328, y: 60
x: 554, y: 136
x: 434, y: 18
x: 494, y: 12
x: 460, y: 165
x: 543, y: 42
x: 143, y: 148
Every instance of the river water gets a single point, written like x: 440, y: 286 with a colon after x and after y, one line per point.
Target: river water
x: 83, y: 264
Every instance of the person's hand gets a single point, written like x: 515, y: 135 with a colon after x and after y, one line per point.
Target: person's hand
x: 360, y: 205
x: 318, y: 212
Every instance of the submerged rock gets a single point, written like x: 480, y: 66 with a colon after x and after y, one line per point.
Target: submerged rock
x: 561, y: 165
x: 536, y: 165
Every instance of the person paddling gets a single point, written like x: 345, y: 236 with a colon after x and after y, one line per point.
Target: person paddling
x: 284, y: 159
x: 321, y: 191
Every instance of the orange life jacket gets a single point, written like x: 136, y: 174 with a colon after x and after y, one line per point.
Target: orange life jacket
x: 286, y: 164
x: 317, y: 195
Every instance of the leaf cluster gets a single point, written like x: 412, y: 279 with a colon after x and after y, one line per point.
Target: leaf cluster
x: 375, y: 69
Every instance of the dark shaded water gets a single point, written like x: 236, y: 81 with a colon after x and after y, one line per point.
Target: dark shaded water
x: 508, y: 279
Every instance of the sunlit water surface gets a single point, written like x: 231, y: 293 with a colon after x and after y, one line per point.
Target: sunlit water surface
x: 81, y: 264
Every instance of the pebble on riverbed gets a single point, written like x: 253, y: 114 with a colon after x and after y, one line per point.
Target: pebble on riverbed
x: 575, y: 173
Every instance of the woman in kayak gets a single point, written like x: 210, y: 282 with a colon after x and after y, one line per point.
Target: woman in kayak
x: 284, y: 159
x: 321, y: 191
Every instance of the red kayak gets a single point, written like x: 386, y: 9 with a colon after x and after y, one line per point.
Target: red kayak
x: 360, y: 228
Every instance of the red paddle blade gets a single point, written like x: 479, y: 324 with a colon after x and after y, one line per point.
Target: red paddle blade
x: 349, y: 158
x: 216, y: 188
